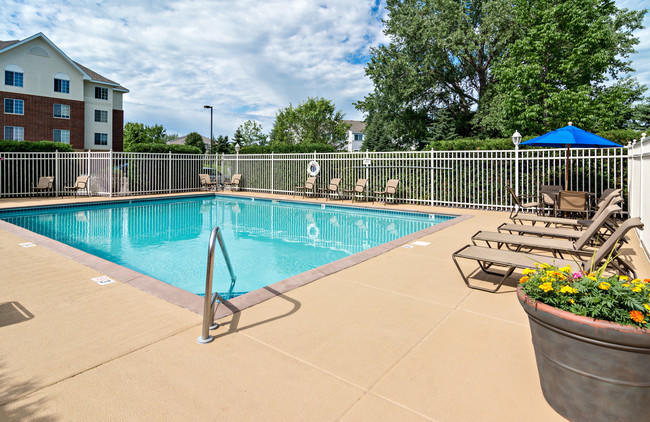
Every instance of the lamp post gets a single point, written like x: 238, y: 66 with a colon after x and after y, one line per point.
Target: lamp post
x: 516, y: 139
x: 237, y: 148
x: 211, y: 137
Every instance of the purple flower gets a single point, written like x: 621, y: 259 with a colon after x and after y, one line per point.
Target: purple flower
x: 577, y: 276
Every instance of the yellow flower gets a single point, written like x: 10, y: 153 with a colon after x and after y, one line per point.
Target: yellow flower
x: 545, y: 266
x: 624, y: 278
x: 636, y: 289
x: 636, y: 280
x: 566, y: 269
x: 604, y: 285
x: 572, y: 301
x: 625, y: 284
x: 528, y: 271
x: 568, y: 289
x: 547, y: 287
x: 647, y: 306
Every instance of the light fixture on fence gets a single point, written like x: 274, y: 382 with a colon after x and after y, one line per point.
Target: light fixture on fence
x: 211, y: 136
x: 237, y: 147
x: 516, y: 138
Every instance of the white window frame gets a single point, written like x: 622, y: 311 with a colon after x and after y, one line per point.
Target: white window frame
x: 63, y: 78
x: 13, y: 106
x: 62, y: 114
x: 64, y: 136
x: 15, y: 70
x: 101, y: 138
x: 13, y: 133
x: 103, y: 92
x: 101, y: 114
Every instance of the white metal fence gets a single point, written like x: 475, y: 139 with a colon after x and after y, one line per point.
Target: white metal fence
x: 639, y: 183
x: 473, y: 179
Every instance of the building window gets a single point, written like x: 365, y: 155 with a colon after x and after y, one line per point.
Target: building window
x: 358, y: 136
x: 13, y: 78
x: 61, y: 111
x: 61, y: 135
x: 61, y: 85
x: 14, y: 133
x: 101, y: 116
x: 101, y: 139
x: 14, y: 106
x: 101, y: 93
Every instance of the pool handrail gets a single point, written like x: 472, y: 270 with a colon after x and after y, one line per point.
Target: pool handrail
x: 208, y: 303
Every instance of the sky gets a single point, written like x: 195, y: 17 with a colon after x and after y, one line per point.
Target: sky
x: 246, y: 58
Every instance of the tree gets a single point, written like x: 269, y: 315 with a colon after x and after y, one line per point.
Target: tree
x: 222, y: 146
x: 249, y: 133
x: 138, y: 133
x: 640, y: 117
x: 570, y: 62
x: 438, y: 65
x: 195, y: 140
x: 314, y: 121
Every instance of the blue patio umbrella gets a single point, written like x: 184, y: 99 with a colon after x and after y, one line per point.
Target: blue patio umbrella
x: 570, y: 137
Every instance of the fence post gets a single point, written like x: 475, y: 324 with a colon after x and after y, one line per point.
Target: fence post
x: 272, y: 181
x: 56, y: 173
x: 169, y: 168
x: 432, y: 178
x: 110, y: 173
x: 89, y: 180
x: 516, y: 139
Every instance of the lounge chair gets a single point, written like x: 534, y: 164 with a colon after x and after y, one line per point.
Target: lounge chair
x: 519, y: 205
x: 332, y: 189
x: 234, y: 181
x: 557, y: 246
x: 206, y: 183
x: 79, y: 184
x: 488, y: 257
x: 389, y: 190
x: 309, y: 186
x: 358, y: 190
x: 572, y: 201
x: 612, y: 199
x: 548, y: 195
x: 45, y: 183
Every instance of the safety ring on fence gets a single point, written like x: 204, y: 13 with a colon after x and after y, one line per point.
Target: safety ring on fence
x: 313, y: 231
x: 313, y: 168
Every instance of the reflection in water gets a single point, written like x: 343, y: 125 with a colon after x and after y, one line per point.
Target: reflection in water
x: 267, y: 241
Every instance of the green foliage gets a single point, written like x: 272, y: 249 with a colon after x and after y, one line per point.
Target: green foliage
x: 466, y: 144
x: 250, y: 133
x: 164, y: 148
x: 195, y: 140
x: 314, y: 121
x: 614, y: 298
x: 559, y: 67
x: 38, y: 146
x: 282, y: 148
x: 138, y: 133
x: 640, y: 117
x: 436, y: 70
x: 222, y: 146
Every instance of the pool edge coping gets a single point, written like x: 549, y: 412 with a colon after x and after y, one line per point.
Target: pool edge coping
x: 195, y: 303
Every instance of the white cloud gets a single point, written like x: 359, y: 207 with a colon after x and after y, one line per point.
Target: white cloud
x: 246, y: 58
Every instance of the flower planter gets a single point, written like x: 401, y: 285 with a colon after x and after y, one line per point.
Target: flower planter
x: 590, y: 370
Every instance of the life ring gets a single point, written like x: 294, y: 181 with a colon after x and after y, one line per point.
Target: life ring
x: 313, y: 168
x: 313, y: 231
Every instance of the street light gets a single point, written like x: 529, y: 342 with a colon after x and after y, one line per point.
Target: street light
x: 211, y: 137
x: 237, y: 148
x: 516, y: 139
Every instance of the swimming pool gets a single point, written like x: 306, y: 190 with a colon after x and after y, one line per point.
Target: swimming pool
x: 267, y: 240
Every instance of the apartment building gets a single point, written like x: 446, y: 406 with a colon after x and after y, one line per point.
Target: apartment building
x: 48, y: 96
x: 354, y: 135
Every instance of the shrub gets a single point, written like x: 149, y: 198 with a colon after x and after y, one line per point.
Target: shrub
x: 284, y: 148
x: 164, y: 148
x: 38, y: 146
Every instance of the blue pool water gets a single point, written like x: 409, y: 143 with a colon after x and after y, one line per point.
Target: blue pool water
x: 267, y: 240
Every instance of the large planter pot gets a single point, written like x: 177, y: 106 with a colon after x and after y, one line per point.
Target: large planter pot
x: 590, y: 370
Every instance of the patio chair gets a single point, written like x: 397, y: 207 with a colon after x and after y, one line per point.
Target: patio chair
x: 612, y: 199
x: 519, y: 205
x: 234, y: 182
x: 45, y: 183
x: 489, y: 257
x: 79, y: 184
x: 358, y: 190
x: 548, y: 195
x: 389, y: 190
x: 572, y: 202
x: 332, y: 189
x: 206, y: 183
x: 310, y: 183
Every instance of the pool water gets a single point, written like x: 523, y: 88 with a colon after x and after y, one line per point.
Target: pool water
x: 267, y: 240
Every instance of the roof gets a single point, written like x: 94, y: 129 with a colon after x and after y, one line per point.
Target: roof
x: 86, y: 72
x: 356, y: 126
x: 181, y: 141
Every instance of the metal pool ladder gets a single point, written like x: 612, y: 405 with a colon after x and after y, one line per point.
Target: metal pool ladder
x: 208, y: 304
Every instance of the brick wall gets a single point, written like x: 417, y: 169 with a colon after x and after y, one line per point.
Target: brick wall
x: 38, y: 118
x: 118, y: 130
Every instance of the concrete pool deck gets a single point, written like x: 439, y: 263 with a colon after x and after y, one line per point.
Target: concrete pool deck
x: 398, y: 336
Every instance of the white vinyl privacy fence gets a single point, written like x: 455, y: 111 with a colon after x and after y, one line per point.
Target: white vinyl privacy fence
x: 475, y: 179
x: 639, y: 183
